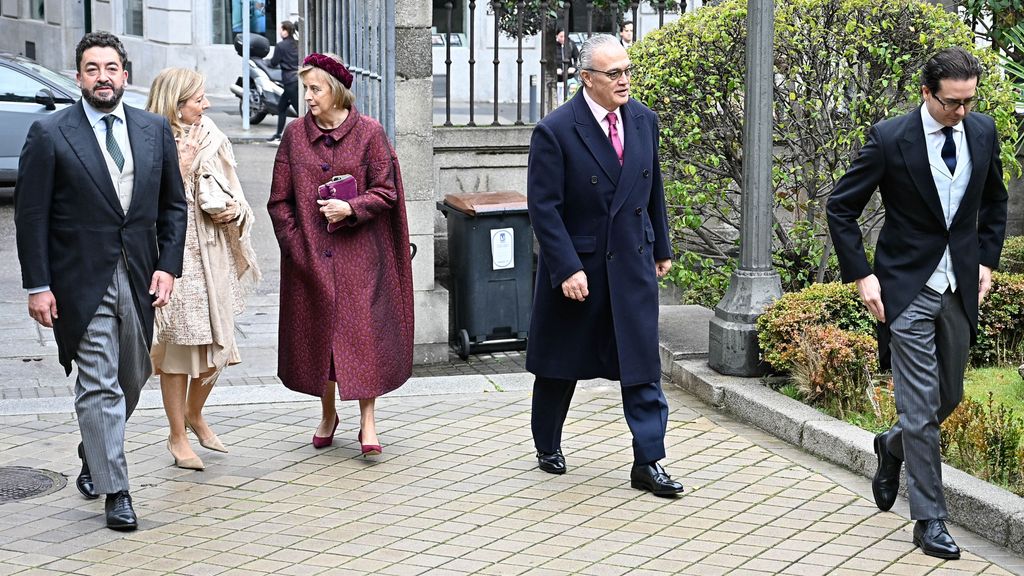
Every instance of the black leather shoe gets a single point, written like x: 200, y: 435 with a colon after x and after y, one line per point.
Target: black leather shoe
x: 654, y: 479
x: 120, y: 514
x: 933, y: 539
x: 886, y: 483
x: 84, y: 481
x: 553, y: 463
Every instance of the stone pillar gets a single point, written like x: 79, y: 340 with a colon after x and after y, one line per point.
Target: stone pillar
x: 755, y: 284
x: 414, y: 142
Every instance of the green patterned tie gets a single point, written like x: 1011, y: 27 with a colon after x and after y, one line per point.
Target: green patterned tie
x: 112, y: 147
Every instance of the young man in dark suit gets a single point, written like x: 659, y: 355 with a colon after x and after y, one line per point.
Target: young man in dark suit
x: 938, y: 172
x: 100, y: 215
x: 598, y: 209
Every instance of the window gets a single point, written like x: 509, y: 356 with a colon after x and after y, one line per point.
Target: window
x: 17, y: 87
x: 37, y: 9
x: 133, y: 11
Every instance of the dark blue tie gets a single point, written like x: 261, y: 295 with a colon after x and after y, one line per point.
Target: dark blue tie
x: 949, y: 150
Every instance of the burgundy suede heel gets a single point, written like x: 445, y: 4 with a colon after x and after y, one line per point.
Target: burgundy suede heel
x: 325, y: 441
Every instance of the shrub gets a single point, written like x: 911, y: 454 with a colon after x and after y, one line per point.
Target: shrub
x: 840, y: 66
x: 780, y: 328
x: 985, y: 439
x: 1012, y: 259
x: 835, y: 368
x: 1001, y: 323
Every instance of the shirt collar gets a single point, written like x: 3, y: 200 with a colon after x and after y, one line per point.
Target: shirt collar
x: 95, y: 116
x: 597, y: 110
x: 931, y: 125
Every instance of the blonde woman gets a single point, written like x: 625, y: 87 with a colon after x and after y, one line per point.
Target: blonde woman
x: 195, y: 332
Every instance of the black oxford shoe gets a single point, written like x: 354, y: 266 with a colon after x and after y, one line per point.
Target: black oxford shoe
x: 933, y: 539
x: 120, y: 514
x: 84, y: 480
x: 552, y: 463
x: 654, y: 479
x: 886, y: 483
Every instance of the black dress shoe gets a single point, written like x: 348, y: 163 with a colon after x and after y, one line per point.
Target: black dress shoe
x: 552, y: 463
x: 120, y: 514
x: 886, y: 483
x: 654, y: 479
x: 84, y: 481
x: 933, y: 539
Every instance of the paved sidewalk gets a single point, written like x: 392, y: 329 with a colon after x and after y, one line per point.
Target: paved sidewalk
x: 457, y: 492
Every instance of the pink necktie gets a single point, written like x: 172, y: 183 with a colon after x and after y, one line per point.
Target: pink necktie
x: 613, y: 135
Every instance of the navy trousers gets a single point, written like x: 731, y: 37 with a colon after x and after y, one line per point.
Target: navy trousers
x: 644, y: 405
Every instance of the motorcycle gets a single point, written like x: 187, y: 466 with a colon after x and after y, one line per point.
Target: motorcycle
x: 265, y: 87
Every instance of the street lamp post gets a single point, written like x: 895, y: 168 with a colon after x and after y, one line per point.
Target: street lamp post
x: 733, y: 347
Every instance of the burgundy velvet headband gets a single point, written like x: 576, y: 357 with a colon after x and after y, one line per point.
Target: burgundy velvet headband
x: 331, y: 66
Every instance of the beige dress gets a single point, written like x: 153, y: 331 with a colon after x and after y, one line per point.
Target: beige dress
x: 195, y: 330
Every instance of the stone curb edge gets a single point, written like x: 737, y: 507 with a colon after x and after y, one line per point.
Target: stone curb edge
x: 987, y: 510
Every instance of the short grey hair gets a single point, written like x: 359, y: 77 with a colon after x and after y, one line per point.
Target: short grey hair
x: 593, y: 43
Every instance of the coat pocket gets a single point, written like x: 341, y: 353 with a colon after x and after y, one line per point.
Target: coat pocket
x: 584, y: 244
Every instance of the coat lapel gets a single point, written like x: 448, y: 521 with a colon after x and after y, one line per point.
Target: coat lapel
x: 141, y: 140
x: 632, y: 160
x: 82, y: 139
x: 980, y: 146
x: 593, y: 137
x: 915, y: 154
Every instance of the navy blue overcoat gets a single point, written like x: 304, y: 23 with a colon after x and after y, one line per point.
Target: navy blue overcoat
x: 591, y: 214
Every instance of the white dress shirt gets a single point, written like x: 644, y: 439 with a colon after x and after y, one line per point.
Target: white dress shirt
x: 601, y: 115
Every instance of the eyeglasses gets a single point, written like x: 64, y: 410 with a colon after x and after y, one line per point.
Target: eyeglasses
x: 614, y: 75
x: 951, y: 105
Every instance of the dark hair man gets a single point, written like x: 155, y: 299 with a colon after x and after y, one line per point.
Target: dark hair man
x: 937, y: 169
x: 286, y: 57
x: 626, y: 33
x: 100, y: 216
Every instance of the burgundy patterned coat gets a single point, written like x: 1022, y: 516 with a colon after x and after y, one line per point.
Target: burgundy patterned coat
x: 345, y: 295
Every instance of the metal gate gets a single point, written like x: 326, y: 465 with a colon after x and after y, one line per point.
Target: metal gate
x: 362, y: 32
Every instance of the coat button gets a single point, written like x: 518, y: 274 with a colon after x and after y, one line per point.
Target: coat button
x: 327, y: 253
x: 610, y: 255
x: 593, y: 179
x: 639, y: 211
x: 641, y: 249
x: 646, y: 172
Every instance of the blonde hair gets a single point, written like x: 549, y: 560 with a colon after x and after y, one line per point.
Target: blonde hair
x: 171, y: 88
x: 343, y: 97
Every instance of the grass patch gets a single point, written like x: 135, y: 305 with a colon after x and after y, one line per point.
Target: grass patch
x: 1005, y: 384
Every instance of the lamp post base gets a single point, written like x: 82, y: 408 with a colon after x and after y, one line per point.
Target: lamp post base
x: 733, y: 349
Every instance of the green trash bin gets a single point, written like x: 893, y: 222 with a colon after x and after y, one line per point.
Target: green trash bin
x: 490, y: 254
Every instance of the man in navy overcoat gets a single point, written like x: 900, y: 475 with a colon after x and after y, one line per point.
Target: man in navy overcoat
x: 598, y: 209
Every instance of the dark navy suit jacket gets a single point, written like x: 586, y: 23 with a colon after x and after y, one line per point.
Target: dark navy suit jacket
x: 591, y: 214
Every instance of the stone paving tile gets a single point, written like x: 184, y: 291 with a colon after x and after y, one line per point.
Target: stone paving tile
x: 457, y: 492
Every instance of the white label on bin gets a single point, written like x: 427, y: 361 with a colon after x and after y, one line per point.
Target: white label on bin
x: 502, y: 249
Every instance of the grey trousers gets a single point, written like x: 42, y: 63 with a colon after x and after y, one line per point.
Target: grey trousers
x: 113, y: 366
x: 929, y: 346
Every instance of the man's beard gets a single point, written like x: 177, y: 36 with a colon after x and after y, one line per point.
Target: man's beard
x: 99, y: 103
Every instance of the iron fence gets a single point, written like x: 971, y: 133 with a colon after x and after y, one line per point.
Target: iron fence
x: 498, y: 11
x: 362, y: 33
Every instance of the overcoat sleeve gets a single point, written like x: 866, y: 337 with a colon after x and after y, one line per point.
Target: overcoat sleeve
x: 33, y: 194
x: 992, y: 213
x: 381, y: 190
x: 846, y: 203
x: 172, y: 217
x: 545, y: 184
x: 281, y: 205
x: 656, y: 206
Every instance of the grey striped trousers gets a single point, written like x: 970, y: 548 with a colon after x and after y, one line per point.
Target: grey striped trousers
x: 113, y: 366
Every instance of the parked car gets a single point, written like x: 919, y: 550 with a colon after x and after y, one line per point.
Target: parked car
x: 28, y: 92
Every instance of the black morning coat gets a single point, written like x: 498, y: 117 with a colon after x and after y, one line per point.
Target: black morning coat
x: 914, y: 236
x: 591, y: 214
x: 70, y: 226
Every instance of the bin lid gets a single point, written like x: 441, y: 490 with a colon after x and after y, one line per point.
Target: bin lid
x: 485, y: 202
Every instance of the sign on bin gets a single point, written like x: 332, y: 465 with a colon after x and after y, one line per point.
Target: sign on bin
x: 502, y: 249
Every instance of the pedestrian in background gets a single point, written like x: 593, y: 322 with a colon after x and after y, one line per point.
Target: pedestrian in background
x: 100, y: 215
x: 286, y: 57
x: 346, y: 280
x: 195, y: 332
x: 938, y: 172
x: 598, y: 209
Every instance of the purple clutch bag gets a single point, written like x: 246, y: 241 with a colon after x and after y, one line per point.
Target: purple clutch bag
x: 341, y: 187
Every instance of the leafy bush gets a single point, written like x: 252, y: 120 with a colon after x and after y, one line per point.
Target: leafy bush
x: 840, y: 66
x: 1012, y: 259
x: 985, y: 440
x: 780, y: 328
x: 1001, y: 323
x: 835, y: 368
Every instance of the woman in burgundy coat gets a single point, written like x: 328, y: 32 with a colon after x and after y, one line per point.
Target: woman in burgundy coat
x: 346, y: 295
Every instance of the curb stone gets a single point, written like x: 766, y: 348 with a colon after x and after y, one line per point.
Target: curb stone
x: 988, y: 510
